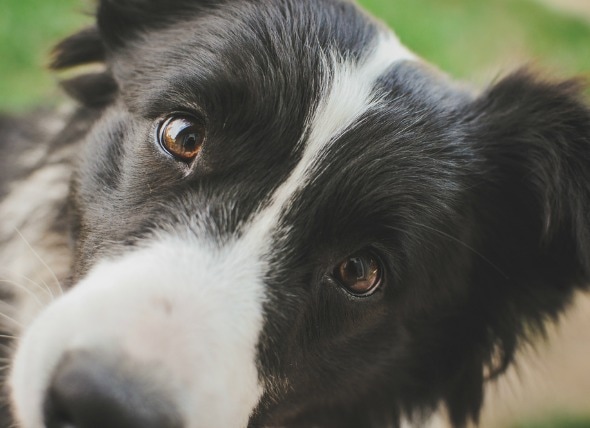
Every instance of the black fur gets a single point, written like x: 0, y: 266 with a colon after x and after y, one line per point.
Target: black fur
x: 478, y: 206
x: 84, y: 47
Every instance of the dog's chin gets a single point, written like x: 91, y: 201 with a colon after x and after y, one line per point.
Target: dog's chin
x: 120, y: 339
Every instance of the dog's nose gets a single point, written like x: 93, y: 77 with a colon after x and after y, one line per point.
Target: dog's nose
x: 90, y: 391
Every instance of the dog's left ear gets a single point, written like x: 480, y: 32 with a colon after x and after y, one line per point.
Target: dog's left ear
x: 531, y: 140
x: 92, y: 89
x: 118, y: 23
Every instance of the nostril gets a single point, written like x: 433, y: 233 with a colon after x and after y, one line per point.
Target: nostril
x: 90, y: 391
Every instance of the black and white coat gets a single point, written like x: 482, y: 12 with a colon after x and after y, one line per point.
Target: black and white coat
x: 205, y: 293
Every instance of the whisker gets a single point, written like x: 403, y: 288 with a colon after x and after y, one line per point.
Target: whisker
x: 8, y: 336
x: 8, y: 318
x: 465, y: 245
x: 43, y: 286
x: 24, y: 288
x: 58, y: 283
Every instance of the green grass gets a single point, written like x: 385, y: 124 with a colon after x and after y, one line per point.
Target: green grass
x: 558, y: 422
x: 466, y: 37
x: 474, y: 39
x: 28, y: 29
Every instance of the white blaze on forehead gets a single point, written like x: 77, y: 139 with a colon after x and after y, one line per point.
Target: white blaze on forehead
x: 216, y: 292
x: 350, y: 92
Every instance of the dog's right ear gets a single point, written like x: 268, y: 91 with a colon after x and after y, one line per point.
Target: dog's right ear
x: 92, y: 89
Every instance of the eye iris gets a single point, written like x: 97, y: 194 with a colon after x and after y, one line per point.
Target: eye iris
x: 360, y: 274
x: 182, y: 137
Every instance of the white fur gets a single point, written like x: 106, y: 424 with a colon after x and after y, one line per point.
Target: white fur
x: 186, y: 306
x: 348, y: 94
x: 438, y: 419
x: 36, y: 258
x: 190, y: 311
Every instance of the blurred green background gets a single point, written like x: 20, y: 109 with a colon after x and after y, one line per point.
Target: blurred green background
x: 477, y: 40
x: 473, y: 39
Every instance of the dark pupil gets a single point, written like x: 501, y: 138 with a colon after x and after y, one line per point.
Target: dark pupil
x: 189, y: 140
x: 355, y: 269
x: 359, y: 274
x: 183, y: 134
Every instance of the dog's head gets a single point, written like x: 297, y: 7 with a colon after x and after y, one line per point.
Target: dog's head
x: 284, y: 218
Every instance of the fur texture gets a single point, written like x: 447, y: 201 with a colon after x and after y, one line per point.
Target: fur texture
x: 210, y: 287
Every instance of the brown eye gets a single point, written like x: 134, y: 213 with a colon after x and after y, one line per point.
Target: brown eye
x: 182, y: 136
x: 360, y: 273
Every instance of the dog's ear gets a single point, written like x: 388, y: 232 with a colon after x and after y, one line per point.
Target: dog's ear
x: 121, y: 20
x: 83, y: 47
x: 532, y: 154
x: 93, y: 89
x: 118, y: 22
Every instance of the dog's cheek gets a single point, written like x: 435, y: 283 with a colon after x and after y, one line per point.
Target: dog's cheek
x: 172, y: 308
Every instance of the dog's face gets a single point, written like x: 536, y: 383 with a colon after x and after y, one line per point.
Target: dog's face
x: 283, y: 218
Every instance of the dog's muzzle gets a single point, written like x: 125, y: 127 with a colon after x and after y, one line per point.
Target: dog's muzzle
x: 145, y: 341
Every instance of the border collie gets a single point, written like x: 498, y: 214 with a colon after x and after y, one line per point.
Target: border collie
x: 273, y: 214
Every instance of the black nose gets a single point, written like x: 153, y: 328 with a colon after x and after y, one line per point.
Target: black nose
x: 91, y: 391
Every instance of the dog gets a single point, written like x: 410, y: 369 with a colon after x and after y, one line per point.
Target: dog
x: 273, y: 214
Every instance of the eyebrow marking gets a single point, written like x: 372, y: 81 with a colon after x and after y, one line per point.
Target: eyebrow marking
x: 348, y: 94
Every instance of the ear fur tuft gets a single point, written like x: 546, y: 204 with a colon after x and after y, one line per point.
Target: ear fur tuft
x: 81, y: 48
x: 91, y: 90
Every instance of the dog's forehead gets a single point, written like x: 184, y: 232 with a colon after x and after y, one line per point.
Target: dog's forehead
x: 243, y: 53
x: 299, y: 97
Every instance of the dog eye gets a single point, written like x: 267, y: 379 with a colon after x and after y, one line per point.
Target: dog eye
x: 360, y: 274
x: 182, y: 136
